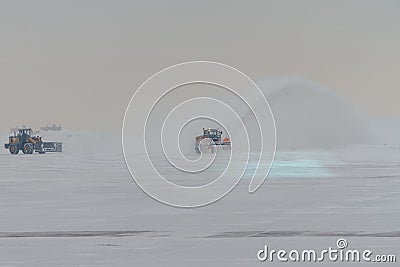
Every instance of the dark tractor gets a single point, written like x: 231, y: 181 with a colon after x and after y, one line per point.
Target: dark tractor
x: 28, y: 144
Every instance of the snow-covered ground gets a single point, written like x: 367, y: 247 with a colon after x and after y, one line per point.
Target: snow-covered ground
x: 335, y: 175
x: 81, y: 208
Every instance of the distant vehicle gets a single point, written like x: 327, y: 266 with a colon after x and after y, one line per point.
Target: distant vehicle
x: 28, y: 144
x: 211, y: 140
x: 51, y: 128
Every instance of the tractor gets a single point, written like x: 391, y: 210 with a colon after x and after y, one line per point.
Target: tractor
x: 211, y: 140
x: 28, y: 144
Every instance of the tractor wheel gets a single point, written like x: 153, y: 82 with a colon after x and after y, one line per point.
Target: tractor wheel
x: 13, y: 149
x: 28, y: 148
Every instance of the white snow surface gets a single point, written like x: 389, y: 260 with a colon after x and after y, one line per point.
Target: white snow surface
x: 82, y: 208
x: 336, y: 175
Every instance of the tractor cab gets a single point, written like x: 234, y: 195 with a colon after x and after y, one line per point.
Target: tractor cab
x: 25, y: 132
x: 213, y: 134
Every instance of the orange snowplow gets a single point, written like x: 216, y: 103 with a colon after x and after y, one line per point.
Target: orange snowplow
x: 211, y: 140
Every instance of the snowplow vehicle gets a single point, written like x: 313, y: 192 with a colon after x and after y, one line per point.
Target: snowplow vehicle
x: 28, y: 144
x: 211, y: 141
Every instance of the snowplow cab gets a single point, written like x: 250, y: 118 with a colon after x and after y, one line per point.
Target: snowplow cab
x: 213, y: 134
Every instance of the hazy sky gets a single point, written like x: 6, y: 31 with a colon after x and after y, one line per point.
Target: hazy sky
x: 78, y: 62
